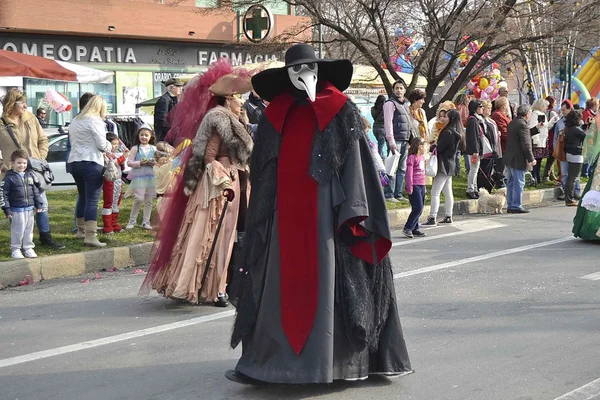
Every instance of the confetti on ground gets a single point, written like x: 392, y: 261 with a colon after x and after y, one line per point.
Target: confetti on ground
x: 25, y: 281
x: 85, y: 281
x: 139, y: 271
x: 114, y: 269
x: 98, y: 276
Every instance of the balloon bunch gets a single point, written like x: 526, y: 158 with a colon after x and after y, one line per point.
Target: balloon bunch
x: 408, y: 45
x: 485, y: 86
x: 57, y: 101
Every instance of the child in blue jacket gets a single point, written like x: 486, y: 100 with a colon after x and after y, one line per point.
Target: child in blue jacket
x: 19, y: 197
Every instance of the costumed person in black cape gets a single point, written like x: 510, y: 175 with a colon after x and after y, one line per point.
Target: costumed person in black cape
x: 316, y: 299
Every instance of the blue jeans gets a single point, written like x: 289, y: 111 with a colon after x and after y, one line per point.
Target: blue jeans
x: 417, y: 202
x: 88, y: 178
x: 564, y: 176
x: 396, y: 185
x: 514, y: 187
x: 42, y: 220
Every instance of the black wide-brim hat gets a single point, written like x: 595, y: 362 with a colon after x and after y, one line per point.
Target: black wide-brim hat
x: 270, y: 82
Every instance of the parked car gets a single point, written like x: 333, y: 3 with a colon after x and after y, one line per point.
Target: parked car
x: 57, y: 156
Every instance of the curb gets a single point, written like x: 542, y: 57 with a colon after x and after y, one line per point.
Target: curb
x: 530, y: 198
x: 75, y: 264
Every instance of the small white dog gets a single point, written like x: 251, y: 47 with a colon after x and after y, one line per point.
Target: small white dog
x: 495, y: 202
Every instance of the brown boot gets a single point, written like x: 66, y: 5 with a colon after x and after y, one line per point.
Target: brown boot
x: 91, y: 228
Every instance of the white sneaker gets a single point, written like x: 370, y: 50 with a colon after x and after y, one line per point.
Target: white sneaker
x: 16, y: 254
x: 147, y: 226
x: 29, y: 253
x: 130, y: 226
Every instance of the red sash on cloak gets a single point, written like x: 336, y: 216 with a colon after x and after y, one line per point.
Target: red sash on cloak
x: 297, y: 207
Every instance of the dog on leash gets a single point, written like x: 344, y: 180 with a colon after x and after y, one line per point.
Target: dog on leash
x: 491, y: 202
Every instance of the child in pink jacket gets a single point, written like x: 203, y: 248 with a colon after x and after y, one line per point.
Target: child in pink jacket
x: 415, y: 186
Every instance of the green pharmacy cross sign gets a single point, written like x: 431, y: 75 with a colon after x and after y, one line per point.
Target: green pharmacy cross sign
x: 258, y: 23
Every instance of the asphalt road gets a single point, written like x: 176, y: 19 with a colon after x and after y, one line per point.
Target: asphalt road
x: 493, y: 307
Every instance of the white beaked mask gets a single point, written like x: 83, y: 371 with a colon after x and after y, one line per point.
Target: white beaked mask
x: 304, y: 77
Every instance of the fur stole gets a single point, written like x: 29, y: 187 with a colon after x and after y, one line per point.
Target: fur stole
x: 234, y: 136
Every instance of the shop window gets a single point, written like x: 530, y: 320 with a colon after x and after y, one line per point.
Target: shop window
x: 35, y: 89
x: 133, y: 88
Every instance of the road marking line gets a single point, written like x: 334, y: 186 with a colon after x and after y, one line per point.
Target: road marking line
x: 480, y: 258
x: 592, y: 277
x: 450, y: 234
x: 586, y: 392
x: 7, y: 362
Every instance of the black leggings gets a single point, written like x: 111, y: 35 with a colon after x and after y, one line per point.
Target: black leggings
x: 537, y: 169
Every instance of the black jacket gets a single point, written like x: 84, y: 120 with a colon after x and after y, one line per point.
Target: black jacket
x: 574, y: 137
x: 20, y: 192
x: 254, y: 107
x: 165, y: 103
x: 447, y: 147
x: 473, y: 134
x: 378, y: 122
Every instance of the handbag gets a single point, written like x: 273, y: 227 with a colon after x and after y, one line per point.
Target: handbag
x: 487, y: 147
x: 40, y: 168
x: 432, y: 165
x: 559, y: 151
x: 111, y: 172
x: 391, y: 163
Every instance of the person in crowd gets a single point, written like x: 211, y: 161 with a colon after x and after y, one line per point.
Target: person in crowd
x: 449, y: 143
x: 438, y: 123
x: 378, y: 123
x: 415, y: 186
x: 518, y: 158
x: 83, y: 100
x: 540, y: 139
x: 41, y: 113
x: 143, y: 182
x: 474, y: 147
x: 20, y: 199
x: 502, y: 119
x: 548, y: 173
x: 589, y: 114
x: 503, y: 92
x: 491, y: 170
x: 574, y: 137
x: 563, y: 166
x: 255, y: 107
x: 216, y: 174
x: 112, y: 189
x: 162, y: 172
x: 87, y: 133
x: 419, y: 119
x: 462, y: 105
x: 379, y: 164
x: 20, y: 129
x: 164, y: 105
x: 397, y: 123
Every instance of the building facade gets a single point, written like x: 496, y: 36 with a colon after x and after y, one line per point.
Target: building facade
x: 144, y: 42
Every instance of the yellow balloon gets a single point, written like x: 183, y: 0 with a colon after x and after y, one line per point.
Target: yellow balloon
x: 483, y: 83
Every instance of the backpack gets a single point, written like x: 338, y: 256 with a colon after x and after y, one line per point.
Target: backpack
x: 111, y: 171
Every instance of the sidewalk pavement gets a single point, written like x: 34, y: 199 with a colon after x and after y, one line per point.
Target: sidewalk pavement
x: 75, y: 264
